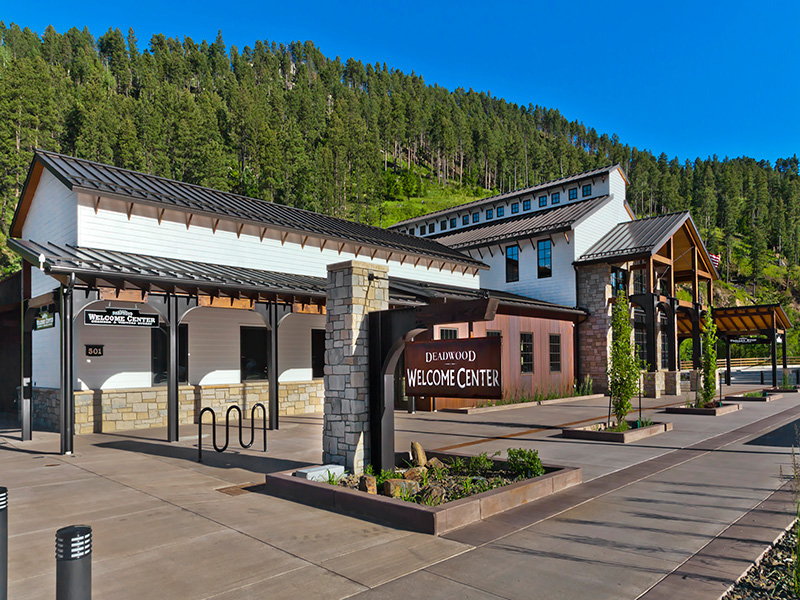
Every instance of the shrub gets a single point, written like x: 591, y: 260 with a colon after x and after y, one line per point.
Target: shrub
x: 481, y: 463
x: 709, y: 349
x: 524, y: 463
x: 623, y: 372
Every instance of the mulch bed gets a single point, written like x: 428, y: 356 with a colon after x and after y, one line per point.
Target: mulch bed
x: 771, y: 578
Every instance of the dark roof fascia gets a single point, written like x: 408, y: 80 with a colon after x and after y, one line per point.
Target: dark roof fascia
x: 702, y: 245
x: 519, y: 192
x: 137, y: 199
x: 180, y: 283
x: 25, y: 188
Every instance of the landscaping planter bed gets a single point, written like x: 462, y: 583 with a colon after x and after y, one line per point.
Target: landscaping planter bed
x: 434, y: 520
x: 600, y: 433
x: 780, y: 391
x: 714, y: 411
x: 483, y: 409
x: 762, y: 398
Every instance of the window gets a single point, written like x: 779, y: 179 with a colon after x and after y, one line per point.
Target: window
x: 489, y: 213
x: 664, y: 341
x: 453, y: 223
x: 526, y: 204
x: 545, y: 259
x: 555, y: 353
x: 512, y: 263
x: 160, y: 358
x: 492, y: 333
x: 253, y: 352
x: 500, y: 211
x: 411, y: 231
x: 448, y: 334
x: 542, y: 201
x: 555, y: 198
x: 639, y: 282
x: 515, y: 208
x: 431, y: 227
x: 465, y: 220
x: 573, y: 194
x: 587, y: 190
x: 443, y: 225
x: 619, y: 280
x: 422, y: 229
x: 640, y: 335
x: 475, y: 217
x: 526, y: 352
x: 317, y: 353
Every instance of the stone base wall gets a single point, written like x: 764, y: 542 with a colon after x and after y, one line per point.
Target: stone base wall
x: 45, y: 406
x: 102, y: 411
x: 672, y: 383
x: 594, y: 334
x: 653, y: 384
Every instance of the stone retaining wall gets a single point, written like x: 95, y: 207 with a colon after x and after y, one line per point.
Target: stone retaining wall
x: 99, y: 411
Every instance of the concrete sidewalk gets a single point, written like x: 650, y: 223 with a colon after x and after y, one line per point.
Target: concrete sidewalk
x: 673, y: 514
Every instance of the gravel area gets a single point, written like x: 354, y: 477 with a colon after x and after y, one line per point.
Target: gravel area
x: 770, y: 579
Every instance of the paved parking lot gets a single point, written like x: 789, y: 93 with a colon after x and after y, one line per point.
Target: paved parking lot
x: 681, y: 514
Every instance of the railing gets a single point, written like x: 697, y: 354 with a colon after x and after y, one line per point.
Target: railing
x: 746, y: 362
x: 227, y: 427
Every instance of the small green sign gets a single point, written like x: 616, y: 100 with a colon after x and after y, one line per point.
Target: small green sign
x: 44, y: 320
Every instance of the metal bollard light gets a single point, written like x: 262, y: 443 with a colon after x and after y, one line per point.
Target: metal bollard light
x: 74, y: 563
x: 3, y: 542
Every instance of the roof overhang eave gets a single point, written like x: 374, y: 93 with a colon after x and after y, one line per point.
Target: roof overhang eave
x: 283, y: 229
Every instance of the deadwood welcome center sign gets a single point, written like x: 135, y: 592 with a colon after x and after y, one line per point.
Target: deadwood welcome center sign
x: 121, y: 317
x: 455, y: 368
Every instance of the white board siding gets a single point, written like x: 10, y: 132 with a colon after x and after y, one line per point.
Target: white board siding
x: 52, y: 217
x: 599, y: 223
x: 110, y: 229
x: 559, y: 288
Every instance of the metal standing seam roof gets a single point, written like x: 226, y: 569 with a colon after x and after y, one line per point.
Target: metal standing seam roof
x: 425, y: 292
x: 558, y: 218
x: 133, y: 186
x: 642, y: 236
x: 512, y: 194
x: 115, y: 265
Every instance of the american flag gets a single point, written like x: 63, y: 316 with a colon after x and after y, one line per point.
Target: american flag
x: 714, y: 260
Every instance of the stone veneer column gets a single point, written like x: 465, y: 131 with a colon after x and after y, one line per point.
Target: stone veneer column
x: 351, y: 295
x: 594, y: 334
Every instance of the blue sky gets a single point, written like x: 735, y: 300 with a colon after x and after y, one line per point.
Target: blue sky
x: 685, y: 78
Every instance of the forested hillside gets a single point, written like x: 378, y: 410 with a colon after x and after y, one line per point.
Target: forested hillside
x: 288, y: 124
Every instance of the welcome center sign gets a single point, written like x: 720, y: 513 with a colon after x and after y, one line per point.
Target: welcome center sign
x: 467, y: 368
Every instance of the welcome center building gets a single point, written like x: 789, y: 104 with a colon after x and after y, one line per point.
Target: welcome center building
x: 144, y: 300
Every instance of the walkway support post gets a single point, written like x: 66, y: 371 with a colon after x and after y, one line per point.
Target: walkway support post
x: 172, y: 368
x: 74, y: 563
x: 773, y: 352
x: 67, y: 392
x: 3, y: 542
x: 272, y: 367
x: 727, y: 360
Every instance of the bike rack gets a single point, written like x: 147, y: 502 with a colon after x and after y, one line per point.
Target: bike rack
x: 227, y: 427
